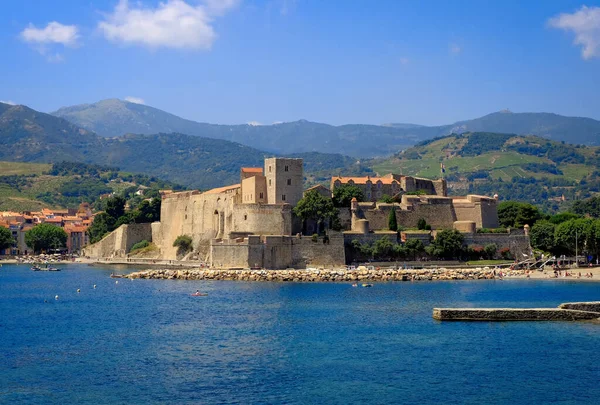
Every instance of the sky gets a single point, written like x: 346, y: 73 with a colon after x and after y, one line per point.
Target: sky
x: 334, y: 61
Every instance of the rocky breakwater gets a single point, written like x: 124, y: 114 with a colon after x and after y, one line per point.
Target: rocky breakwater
x: 312, y: 275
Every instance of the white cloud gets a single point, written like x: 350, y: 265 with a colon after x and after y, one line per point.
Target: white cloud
x: 172, y: 24
x: 135, y: 100
x: 8, y: 102
x: 254, y: 123
x: 54, y: 33
x: 455, y: 49
x: 585, y: 23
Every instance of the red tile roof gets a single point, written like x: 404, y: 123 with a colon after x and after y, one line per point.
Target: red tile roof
x: 252, y: 169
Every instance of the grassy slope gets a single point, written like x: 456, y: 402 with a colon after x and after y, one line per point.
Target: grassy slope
x: 19, y: 168
x: 12, y: 199
x: 500, y: 164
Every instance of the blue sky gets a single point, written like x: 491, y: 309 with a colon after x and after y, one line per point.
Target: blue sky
x: 352, y: 61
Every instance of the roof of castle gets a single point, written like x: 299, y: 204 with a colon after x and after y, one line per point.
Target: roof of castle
x: 252, y: 169
x: 363, y: 180
x: 220, y: 190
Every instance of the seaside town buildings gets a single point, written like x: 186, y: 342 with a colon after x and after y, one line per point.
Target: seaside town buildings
x: 74, y: 221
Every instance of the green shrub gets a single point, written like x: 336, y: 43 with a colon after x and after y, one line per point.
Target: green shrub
x: 315, y: 237
x: 183, y: 243
x: 140, y: 245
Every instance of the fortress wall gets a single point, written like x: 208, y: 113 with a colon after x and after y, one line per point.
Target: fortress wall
x: 438, y: 213
x: 489, y: 214
x: 306, y: 253
x: 481, y: 210
x: 345, y: 218
x: 229, y: 253
x: 518, y: 244
x: 119, y: 242
x: 200, y: 216
x: 277, y: 252
x: 262, y: 219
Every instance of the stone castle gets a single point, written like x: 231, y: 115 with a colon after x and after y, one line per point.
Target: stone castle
x: 251, y: 224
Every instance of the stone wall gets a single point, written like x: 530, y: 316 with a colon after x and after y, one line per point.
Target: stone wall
x: 306, y: 253
x: 517, y: 243
x: 119, y: 242
x: 277, y: 252
x: 439, y: 212
x: 207, y: 216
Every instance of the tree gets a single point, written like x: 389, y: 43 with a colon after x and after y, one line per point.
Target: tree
x: 115, y: 207
x: 490, y: 250
x: 392, y: 221
x: 183, y: 243
x: 103, y: 224
x: 6, y: 239
x: 576, y: 233
x: 148, y: 211
x: 541, y: 236
x: 563, y: 217
x: 422, y: 224
x: 527, y: 215
x: 383, y: 248
x: 316, y: 207
x: 448, y: 244
x: 343, y: 195
x: 517, y: 214
x: 386, y: 199
x: 414, y: 247
x: 507, y: 212
x: 45, y: 236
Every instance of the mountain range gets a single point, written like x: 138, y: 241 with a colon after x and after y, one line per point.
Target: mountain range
x: 113, y: 117
x: 27, y: 135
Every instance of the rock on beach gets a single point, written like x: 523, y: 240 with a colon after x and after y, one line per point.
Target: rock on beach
x: 321, y: 275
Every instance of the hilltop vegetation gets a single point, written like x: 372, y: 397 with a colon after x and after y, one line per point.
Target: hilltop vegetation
x: 67, y: 184
x: 523, y: 168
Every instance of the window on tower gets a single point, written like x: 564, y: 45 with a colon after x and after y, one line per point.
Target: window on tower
x: 289, y: 182
x: 283, y: 197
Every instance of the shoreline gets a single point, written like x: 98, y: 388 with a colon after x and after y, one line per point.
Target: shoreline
x: 356, y: 276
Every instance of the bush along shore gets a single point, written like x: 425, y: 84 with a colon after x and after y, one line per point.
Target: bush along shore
x: 335, y: 275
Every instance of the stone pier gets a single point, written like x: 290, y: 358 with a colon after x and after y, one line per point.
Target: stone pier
x: 576, y: 311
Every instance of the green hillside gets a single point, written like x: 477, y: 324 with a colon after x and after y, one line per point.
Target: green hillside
x: 527, y: 168
x: 193, y: 161
x: 32, y: 186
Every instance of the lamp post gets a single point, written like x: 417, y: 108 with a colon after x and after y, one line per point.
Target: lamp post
x: 576, y: 251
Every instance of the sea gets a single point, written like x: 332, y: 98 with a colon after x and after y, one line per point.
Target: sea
x: 119, y: 341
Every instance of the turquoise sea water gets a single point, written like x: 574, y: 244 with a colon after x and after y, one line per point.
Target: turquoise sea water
x: 149, y: 341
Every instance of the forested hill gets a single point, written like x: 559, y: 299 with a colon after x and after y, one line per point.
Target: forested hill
x: 196, y: 162
x: 113, y: 117
x: 524, y: 168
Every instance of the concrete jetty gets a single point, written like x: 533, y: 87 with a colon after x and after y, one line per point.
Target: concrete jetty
x: 575, y: 311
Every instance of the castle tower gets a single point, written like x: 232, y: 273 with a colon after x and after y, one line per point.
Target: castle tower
x: 285, y: 180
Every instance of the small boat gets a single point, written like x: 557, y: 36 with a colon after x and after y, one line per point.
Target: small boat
x: 112, y: 275
x: 52, y: 269
x: 355, y: 285
x: 199, y: 294
x: 367, y: 285
x: 36, y: 268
